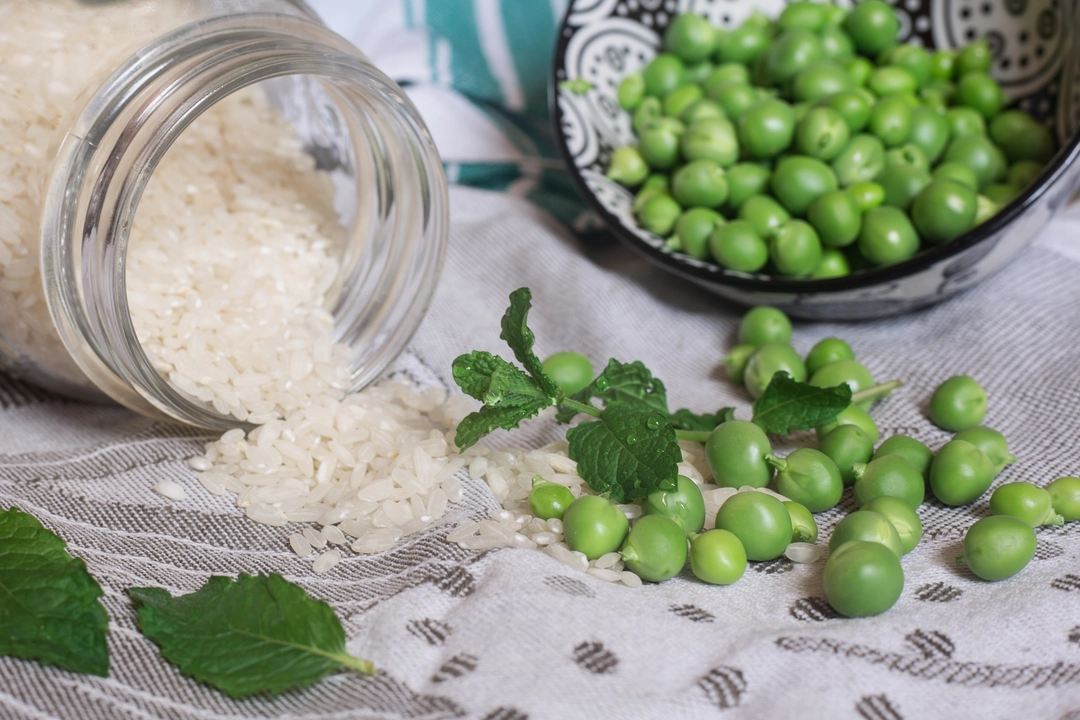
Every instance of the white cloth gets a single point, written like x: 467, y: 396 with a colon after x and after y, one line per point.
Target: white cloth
x: 514, y: 635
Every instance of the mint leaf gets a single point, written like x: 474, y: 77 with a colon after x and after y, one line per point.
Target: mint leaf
x: 255, y: 634
x: 495, y: 381
x: 626, y: 454
x: 516, y: 333
x: 788, y: 405
x: 629, y: 383
x: 49, y: 605
x: 683, y: 419
x: 478, y: 424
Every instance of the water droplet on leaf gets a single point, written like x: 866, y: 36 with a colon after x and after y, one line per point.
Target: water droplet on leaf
x: 631, y: 439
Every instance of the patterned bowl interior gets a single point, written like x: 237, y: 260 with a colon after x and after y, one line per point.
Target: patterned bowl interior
x: 602, y: 41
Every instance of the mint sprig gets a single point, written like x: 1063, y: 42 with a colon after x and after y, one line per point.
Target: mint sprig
x: 516, y: 333
x: 50, y: 607
x: 255, y: 634
x: 788, y: 405
x: 684, y: 419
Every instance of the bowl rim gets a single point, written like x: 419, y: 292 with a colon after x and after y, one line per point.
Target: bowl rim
x: 716, y: 275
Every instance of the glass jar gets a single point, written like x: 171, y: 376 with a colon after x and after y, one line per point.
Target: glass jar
x: 96, y: 98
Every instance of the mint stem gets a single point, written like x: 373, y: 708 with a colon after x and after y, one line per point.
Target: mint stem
x: 875, y: 393
x: 698, y: 436
x: 580, y: 407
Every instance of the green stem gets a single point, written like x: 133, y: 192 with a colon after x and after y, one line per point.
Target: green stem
x: 698, y: 436
x: 875, y: 393
x: 779, y: 464
x: 362, y: 666
x: 580, y: 407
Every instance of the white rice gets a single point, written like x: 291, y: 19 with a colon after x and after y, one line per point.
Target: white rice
x: 171, y: 490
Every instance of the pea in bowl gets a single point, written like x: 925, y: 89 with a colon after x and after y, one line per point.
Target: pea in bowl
x: 1034, y: 59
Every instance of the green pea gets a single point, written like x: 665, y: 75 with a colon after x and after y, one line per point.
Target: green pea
x: 890, y: 120
x: 796, y: 249
x: 701, y: 109
x: 791, y: 51
x: 887, y: 236
x: 698, y: 73
x: 862, y: 579
x: 631, y: 91
x: 645, y: 194
x: 851, y: 106
x: 991, y: 442
x: 867, y: 195
x: 1024, y: 172
x: 958, y: 403
x: 655, y: 548
x: 767, y: 128
x: 833, y: 264
x: 663, y: 74
x: 803, y: 526
x: 866, y: 526
x: 648, y: 111
x: 628, y: 167
x: 974, y: 57
x: 960, y: 473
x: 825, y: 351
x: 691, y: 37
x: 929, y: 132
x: 860, y: 161
x: 837, y: 218
x: 764, y: 324
x: 549, y: 500
x: 594, y: 526
x: 820, y: 80
x: 890, y: 79
x: 694, y: 228
x: 769, y: 359
x: 889, y: 475
x: 684, y: 505
x: 859, y: 69
x: 851, y: 415
x: 802, y: 14
x: 873, y: 26
x: 998, y: 547
x: 836, y: 44
x: 735, y: 361
x: 822, y: 133
x: 964, y: 121
x: 849, y: 372
x: 744, y: 181
x: 1027, y: 502
x: 726, y: 73
x: 659, y: 214
x: 809, y: 477
x: 914, y: 59
x: 737, y: 246
x: 760, y: 521
x: 717, y: 557
x: 743, y: 44
x: 957, y: 171
x: 735, y: 452
x: 980, y: 91
x: 902, y: 517
x: 1065, y: 494
x: 985, y: 208
x: 660, y: 147
x: 943, y: 64
x: 1021, y: 137
x: 902, y: 184
x: 915, y: 452
x: 570, y: 370
x: 798, y: 181
x: 734, y: 98
x: 678, y: 100
x: 765, y: 214
x: 711, y: 138
x: 700, y: 183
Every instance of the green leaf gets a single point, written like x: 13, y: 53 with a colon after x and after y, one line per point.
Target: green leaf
x: 788, y: 405
x: 683, y: 419
x: 478, y: 424
x: 626, y: 454
x: 255, y: 634
x: 495, y: 381
x: 628, y: 383
x: 49, y: 605
x: 516, y: 333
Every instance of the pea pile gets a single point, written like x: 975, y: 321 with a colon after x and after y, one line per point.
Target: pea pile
x: 863, y: 575
x: 815, y: 145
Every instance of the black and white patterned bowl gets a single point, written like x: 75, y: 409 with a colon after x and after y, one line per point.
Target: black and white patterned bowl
x: 1036, y: 60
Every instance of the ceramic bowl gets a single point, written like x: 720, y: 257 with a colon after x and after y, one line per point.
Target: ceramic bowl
x: 1036, y: 60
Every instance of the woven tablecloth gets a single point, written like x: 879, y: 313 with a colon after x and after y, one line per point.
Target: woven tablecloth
x: 513, y: 634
